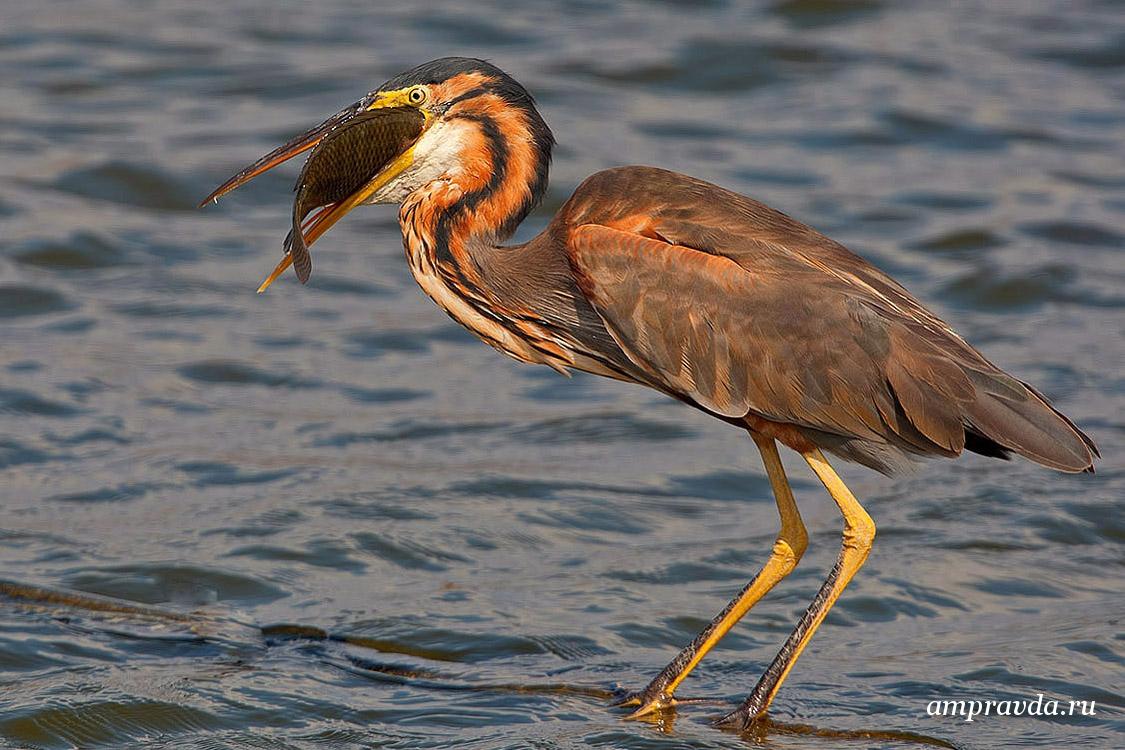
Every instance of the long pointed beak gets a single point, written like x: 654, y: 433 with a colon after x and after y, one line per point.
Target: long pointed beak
x: 388, y: 157
x: 281, y: 154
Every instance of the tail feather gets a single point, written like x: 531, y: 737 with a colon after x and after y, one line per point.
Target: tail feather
x: 1029, y: 426
x: 1085, y: 438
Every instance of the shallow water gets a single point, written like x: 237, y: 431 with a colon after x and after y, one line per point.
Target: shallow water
x: 343, y: 457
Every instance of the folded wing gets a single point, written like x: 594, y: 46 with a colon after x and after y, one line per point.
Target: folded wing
x: 744, y: 326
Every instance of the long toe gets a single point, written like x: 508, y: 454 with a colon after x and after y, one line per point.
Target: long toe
x: 645, y: 704
x: 648, y: 706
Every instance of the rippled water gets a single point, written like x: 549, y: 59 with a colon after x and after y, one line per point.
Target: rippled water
x: 443, y: 524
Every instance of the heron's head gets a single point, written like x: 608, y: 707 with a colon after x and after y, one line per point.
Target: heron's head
x: 479, y: 133
x: 482, y: 130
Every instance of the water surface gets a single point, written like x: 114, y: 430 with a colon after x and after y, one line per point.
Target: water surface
x: 343, y: 459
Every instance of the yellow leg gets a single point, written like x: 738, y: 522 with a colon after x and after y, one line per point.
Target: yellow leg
x: 859, y: 533
x: 787, y: 550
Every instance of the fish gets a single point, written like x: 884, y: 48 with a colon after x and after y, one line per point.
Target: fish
x: 344, y: 160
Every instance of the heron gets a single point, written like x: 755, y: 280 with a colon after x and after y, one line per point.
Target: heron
x: 653, y: 277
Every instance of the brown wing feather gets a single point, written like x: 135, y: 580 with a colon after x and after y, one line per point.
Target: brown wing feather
x: 743, y: 310
x: 734, y: 342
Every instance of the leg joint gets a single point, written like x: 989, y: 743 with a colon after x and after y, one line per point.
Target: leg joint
x: 786, y: 554
x: 795, y: 538
x: 859, y: 531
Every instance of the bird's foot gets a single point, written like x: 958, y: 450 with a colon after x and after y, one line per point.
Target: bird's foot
x: 742, y: 719
x: 648, y: 701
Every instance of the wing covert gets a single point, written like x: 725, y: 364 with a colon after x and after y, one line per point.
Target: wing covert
x: 734, y: 340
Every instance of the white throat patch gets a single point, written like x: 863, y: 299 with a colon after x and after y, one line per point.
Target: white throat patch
x: 436, y: 154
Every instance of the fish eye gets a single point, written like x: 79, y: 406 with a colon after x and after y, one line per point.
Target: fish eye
x: 416, y: 95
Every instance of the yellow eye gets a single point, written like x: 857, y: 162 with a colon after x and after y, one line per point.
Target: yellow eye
x: 416, y: 96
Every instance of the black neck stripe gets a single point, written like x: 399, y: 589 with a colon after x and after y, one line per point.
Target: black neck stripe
x: 498, y: 148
